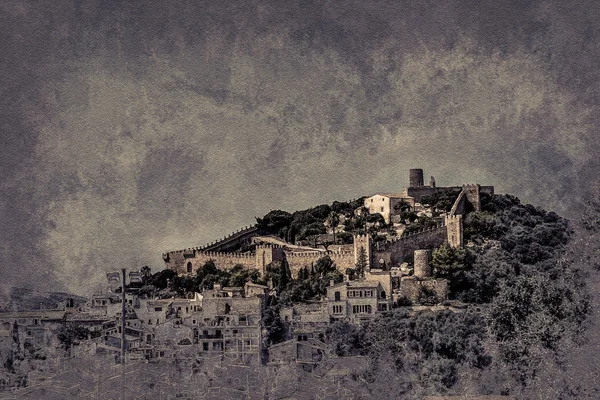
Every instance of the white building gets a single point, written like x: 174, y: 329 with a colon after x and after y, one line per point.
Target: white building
x: 387, y: 204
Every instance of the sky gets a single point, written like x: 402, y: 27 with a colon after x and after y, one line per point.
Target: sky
x: 130, y: 128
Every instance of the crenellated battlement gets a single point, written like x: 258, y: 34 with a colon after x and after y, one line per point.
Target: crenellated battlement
x: 226, y: 238
x: 293, y: 254
x: 230, y: 255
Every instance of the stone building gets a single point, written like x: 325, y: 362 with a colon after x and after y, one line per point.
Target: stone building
x: 388, y: 204
x: 358, y: 301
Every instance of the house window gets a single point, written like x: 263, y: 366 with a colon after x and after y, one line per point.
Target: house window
x: 157, y: 308
x: 337, y: 296
x: 149, y: 322
x: 383, y: 294
x: 189, y: 267
x: 381, y: 209
x: 205, y: 346
x: 362, y: 309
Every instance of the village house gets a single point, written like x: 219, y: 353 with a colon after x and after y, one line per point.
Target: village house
x: 359, y: 300
x: 388, y: 205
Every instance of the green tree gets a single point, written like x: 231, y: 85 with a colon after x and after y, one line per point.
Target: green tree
x: 361, y: 263
x: 446, y: 260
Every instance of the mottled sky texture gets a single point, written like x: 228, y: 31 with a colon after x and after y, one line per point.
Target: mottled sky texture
x: 133, y: 127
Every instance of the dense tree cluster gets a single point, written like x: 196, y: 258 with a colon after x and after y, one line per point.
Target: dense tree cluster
x: 302, y: 224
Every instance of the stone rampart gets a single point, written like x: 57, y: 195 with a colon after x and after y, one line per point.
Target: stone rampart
x: 298, y: 260
x: 397, y: 250
x: 183, y: 265
x: 412, y: 288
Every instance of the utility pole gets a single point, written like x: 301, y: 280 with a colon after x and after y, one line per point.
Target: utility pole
x: 123, y: 310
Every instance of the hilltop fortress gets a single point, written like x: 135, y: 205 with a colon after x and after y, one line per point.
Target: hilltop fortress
x: 250, y: 248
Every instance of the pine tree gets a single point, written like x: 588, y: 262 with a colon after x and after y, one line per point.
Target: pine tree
x: 361, y: 264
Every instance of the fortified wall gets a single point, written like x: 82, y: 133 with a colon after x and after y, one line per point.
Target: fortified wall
x: 187, y: 261
x: 394, y: 252
x: 297, y: 261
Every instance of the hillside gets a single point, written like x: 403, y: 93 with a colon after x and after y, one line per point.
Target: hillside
x: 526, y: 299
x: 19, y: 299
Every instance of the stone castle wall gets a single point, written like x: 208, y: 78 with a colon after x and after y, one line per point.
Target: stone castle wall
x: 420, y: 191
x: 411, y: 288
x: 297, y: 261
x: 264, y: 255
x: 191, y: 261
x: 394, y: 253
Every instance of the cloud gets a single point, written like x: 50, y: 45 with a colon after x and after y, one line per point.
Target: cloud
x: 128, y: 133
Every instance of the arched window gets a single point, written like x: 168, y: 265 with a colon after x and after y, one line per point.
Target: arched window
x: 383, y: 294
x: 189, y: 267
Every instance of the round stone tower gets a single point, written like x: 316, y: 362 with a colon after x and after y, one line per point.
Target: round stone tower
x: 422, y: 267
x: 416, y: 178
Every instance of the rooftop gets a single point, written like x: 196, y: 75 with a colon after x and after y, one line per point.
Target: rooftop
x: 358, y: 284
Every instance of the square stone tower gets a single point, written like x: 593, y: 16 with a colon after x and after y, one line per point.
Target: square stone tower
x: 454, y: 227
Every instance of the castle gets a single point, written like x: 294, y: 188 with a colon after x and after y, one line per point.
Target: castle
x: 264, y: 250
